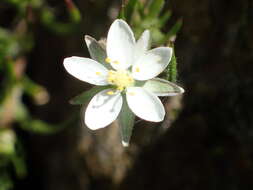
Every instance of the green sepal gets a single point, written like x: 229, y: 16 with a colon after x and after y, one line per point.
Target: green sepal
x: 87, y: 95
x: 162, y: 87
x: 172, y: 68
x: 126, y: 122
x: 97, y: 51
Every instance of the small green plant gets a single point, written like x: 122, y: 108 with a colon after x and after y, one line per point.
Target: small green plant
x: 16, y: 41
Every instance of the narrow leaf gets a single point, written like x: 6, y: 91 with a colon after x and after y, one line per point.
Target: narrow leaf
x: 87, y: 95
x: 122, y: 11
x: 130, y: 9
x: 38, y: 126
x: 175, y: 29
x: 155, y: 8
x: 172, y: 69
x: 164, y: 18
x: 126, y: 122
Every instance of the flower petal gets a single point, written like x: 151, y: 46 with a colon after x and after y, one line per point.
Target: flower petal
x: 120, y: 45
x: 142, y: 45
x: 161, y: 87
x: 97, y: 51
x: 152, y: 63
x: 103, y: 109
x: 86, y: 70
x: 144, y: 104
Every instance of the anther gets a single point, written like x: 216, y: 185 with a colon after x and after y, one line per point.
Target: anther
x: 137, y: 69
x: 108, y: 60
x: 98, y: 73
x: 120, y: 88
x: 110, y: 92
x: 130, y: 79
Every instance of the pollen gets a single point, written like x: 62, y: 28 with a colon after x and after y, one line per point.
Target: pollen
x: 108, y: 60
x: 137, y: 69
x: 110, y: 92
x: 116, y: 62
x: 120, y: 79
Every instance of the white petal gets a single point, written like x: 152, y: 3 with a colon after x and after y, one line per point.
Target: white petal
x: 161, y: 87
x: 144, y: 104
x: 152, y: 63
x: 120, y: 45
x: 142, y: 45
x: 86, y: 70
x: 103, y: 109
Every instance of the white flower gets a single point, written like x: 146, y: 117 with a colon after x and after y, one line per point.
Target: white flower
x: 129, y: 69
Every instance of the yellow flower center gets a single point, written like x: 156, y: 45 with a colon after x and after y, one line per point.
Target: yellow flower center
x: 121, y: 79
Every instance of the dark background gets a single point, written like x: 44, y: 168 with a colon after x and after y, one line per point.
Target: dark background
x: 209, y: 146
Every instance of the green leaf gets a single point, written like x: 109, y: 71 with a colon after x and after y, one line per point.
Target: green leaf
x: 97, y: 51
x: 126, y: 122
x: 5, y: 180
x: 155, y: 7
x: 87, y: 95
x: 164, y: 18
x: 172, y: 69
x: 75, y: 14
x: 140, y: 9
x: 18, y: 160
x: 175, y: 29
x: 39, y: 126
x: 49, y: 19
x: 129, y: 9
x: 9, y: 45
x: 30, y: 87
x: 19, y: 165
x: 162, y: 87
x: 157, y: 37
x: 7, y: 142
x: 122, y: 12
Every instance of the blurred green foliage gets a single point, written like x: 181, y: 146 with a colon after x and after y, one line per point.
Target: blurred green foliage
x: 150, y: 15
x: 142, y: 15
x: 16, y: 40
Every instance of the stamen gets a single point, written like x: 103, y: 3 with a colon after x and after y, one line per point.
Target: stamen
x: 108, y: 60
x: 137, y: 69
x: 130, y: 79
x: 120, y: 79
x: 116, y: 62
x: 120, y: 88
x: 110, y: 92
x: 98, y: 73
